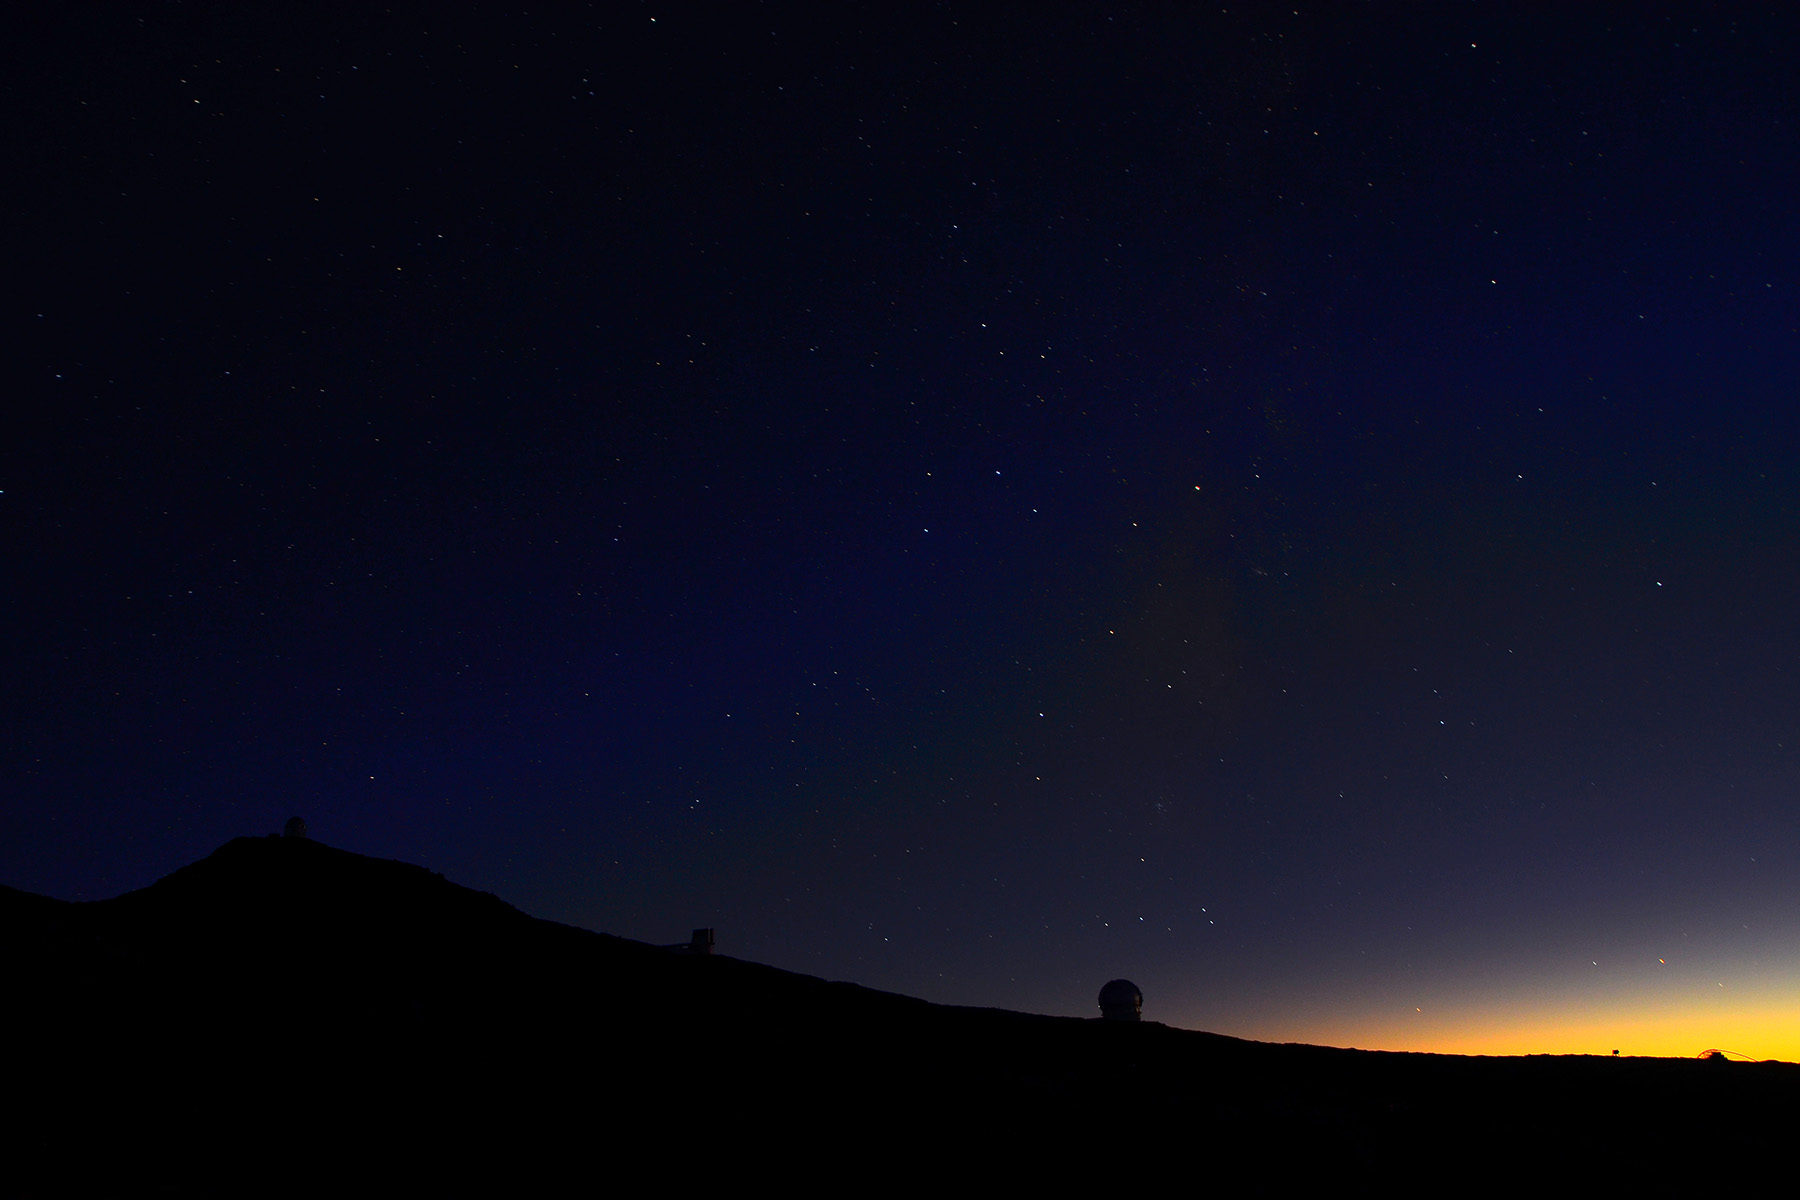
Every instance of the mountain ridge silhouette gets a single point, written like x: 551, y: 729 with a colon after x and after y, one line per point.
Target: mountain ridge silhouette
x: 295, y: 1013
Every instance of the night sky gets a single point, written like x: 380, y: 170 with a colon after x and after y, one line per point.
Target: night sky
x: 1295, y: 506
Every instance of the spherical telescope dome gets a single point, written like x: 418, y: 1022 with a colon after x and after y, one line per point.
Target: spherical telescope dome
x: 1120, y: 1000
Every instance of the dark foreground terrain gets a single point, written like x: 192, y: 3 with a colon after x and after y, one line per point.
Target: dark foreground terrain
x: 284, y: 1016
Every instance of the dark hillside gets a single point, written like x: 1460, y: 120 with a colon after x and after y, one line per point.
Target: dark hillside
x: 288, y: 1014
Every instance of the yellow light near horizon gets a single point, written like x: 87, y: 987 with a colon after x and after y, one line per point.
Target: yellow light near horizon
x: 1754, y: 1021
x: 1759, y: 1031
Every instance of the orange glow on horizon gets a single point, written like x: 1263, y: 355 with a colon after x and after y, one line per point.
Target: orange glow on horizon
x: 1756, y: 1035
x: 1753, y: 1019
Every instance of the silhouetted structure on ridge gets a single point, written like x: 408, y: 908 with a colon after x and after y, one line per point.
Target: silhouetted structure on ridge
x: 1120, y: 1000
x: 470, y: 1017
x: 296, y: 828
x: 700, y: 943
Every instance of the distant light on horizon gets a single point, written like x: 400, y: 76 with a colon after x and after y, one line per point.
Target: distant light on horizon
x: 1749, y: 1016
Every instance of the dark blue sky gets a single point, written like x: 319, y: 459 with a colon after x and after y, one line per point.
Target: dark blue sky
x: 1297, y: 507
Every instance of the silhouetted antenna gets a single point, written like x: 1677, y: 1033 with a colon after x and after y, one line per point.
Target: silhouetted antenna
x: 1120, y: 1000
x: 296, y: 828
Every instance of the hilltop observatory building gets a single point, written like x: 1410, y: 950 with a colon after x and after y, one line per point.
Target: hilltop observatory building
x: 1120, y: 1000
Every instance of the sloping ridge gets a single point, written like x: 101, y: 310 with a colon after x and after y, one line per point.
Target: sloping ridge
x: 310, y: 921
x: 293, y: 1012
